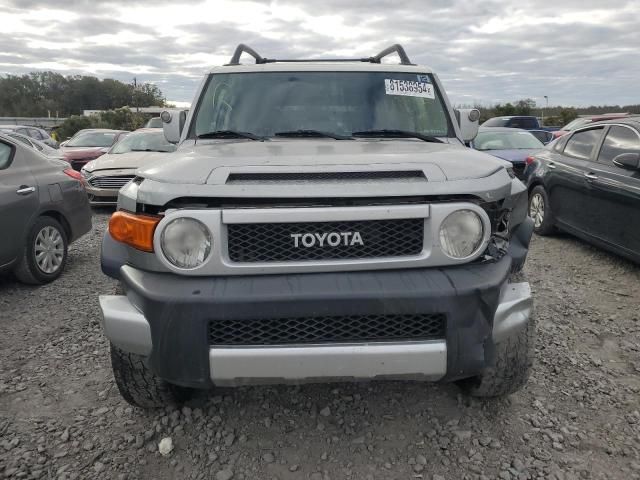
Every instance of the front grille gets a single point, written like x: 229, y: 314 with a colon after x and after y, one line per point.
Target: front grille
x: 336, y: 329
x: 276, y: 242
x: 110, y: 182
x: 325, y: 176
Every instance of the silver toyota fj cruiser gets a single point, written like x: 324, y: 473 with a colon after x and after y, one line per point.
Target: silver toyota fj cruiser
x: 321, y: 220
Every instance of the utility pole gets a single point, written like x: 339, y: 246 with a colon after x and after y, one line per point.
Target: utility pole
x: 135, y: 90
x: 546, y: 98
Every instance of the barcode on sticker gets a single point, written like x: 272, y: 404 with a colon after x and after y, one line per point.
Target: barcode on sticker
x: 408, y: 88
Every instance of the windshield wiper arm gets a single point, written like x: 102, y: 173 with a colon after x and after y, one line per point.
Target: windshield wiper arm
x: 231, y: 134
x: 386, y: 133
x: 312, y: 133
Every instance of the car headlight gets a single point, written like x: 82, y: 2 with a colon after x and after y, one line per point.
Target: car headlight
x: 85, y: 173
x: 186, y: 242
x: 461, y: 233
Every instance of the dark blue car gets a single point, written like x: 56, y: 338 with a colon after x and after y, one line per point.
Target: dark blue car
x: 512, y: 144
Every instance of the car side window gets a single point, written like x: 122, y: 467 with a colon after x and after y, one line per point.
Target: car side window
x: 581, y: 144
x: 515, y: 123
x: 618, y: 140
x: 6, y: 155
x: 529, y: 123
x: 560, y: 143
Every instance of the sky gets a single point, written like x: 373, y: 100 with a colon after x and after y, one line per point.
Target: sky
x: 576, y: 52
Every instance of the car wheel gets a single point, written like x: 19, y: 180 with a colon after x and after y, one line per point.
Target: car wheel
x: 139, y: 386
x: 540, y: 211
x: 45, y: 252
x: 511, y: 365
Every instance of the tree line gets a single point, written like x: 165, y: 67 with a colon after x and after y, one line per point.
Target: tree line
x: 553, y: 115
x: 42, y: 94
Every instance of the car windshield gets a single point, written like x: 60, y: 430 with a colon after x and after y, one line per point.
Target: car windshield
x: 578, y: 122
x: 506, y: 141
x: 496, y: 122
x: 328, y: 103
x: 143, y: 142
x: 92, y: 139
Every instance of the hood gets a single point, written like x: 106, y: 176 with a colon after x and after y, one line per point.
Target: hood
x: 129, y: 160
x: 73, y: 153
x: 197, y: 164
x: 514, y: 156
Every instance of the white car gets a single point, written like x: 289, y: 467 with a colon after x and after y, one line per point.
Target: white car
x: 105, y: 175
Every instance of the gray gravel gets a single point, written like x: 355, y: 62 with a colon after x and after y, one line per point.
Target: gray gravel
x: 579, y: 418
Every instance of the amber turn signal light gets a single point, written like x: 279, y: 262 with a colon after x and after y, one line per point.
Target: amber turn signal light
x: 134, y: 230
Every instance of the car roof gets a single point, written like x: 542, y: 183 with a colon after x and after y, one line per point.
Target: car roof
x: 632, y: 121
x: 104, y: 130
x: 311, y: 66
x: 148, y: 130
x: 501, y: 129
x: 13, y: 127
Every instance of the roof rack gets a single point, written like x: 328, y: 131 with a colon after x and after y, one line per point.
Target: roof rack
x: 396, y: 48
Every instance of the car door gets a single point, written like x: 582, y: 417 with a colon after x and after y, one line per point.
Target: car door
x: 616, y: 191
x: 567, y: 183
x: 18, y: 200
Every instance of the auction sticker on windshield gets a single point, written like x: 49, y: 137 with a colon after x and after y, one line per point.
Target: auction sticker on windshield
x: 408, y: 88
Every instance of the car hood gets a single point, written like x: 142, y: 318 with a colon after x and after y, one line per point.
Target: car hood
x: 81, y: 152
x: 211, y: 162
x: 514, y: 156
x: 129, y: 160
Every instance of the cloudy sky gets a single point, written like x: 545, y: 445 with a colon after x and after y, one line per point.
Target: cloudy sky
x: 578, y: 52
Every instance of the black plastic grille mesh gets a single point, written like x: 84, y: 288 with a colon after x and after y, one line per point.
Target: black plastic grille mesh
x: 273, y: 242
x: 341, y: 329
x: 323, y: 176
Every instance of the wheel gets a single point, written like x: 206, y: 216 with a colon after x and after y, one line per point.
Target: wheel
x: 513, y: 359
x: 139, y: 386
x: 540, y: 211
x: 45, y: 252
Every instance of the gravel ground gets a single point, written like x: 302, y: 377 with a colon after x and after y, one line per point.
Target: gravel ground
x: 62, y: 417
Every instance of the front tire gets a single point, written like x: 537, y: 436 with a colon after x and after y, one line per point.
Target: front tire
x: 45, y: 252
x: 139, y: 386
x: 540, y: 211
x: 513, y: 359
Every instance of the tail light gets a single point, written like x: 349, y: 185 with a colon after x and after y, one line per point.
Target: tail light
x: 134, y: 230
x: 529, y: 160
x: 73, y: 174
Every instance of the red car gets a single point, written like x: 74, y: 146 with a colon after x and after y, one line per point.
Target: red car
x: 87, y: 145
x: 582, y: 121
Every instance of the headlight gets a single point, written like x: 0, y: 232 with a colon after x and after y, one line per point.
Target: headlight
x: 85, y: 173
x: 461, y: 233
x: 186, y: 242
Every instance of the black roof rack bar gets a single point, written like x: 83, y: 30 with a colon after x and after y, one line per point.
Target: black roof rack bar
x: 242, y: 48
x: 404, y: 58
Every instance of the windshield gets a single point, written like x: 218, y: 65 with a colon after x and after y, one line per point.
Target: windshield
x: 92, y: 139
x: 143, y: 142
x: 496, y: 122
x: 266, y: 103
x: 578, y: 122
x: 506, y: 141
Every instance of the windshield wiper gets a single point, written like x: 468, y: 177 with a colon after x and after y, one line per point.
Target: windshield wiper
x: 385, y: 133
x: 231, y: 134
x: 312, y: 133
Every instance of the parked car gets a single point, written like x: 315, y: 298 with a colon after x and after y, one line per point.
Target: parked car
x: 89, y: 144
x: 525, y: 122
x: 512, y: 144
x: 588, y: 183
x: 43, y: 207
x: 340, y: 231
x: 32, y: 132
x: 582, y: 121
x: 108, y: 173
x: 43, y: 148
x: 155, y: 122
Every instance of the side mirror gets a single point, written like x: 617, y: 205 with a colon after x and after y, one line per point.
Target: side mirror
x: 468, y: 119
x: 172, y: 124
x: 630, y: 161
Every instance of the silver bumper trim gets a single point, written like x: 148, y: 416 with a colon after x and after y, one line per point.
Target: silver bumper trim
x: 124, y: 325
x: 513, y: 312
x: 249, y: 365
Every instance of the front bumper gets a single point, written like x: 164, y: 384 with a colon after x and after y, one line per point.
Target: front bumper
x: 165, y: 318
